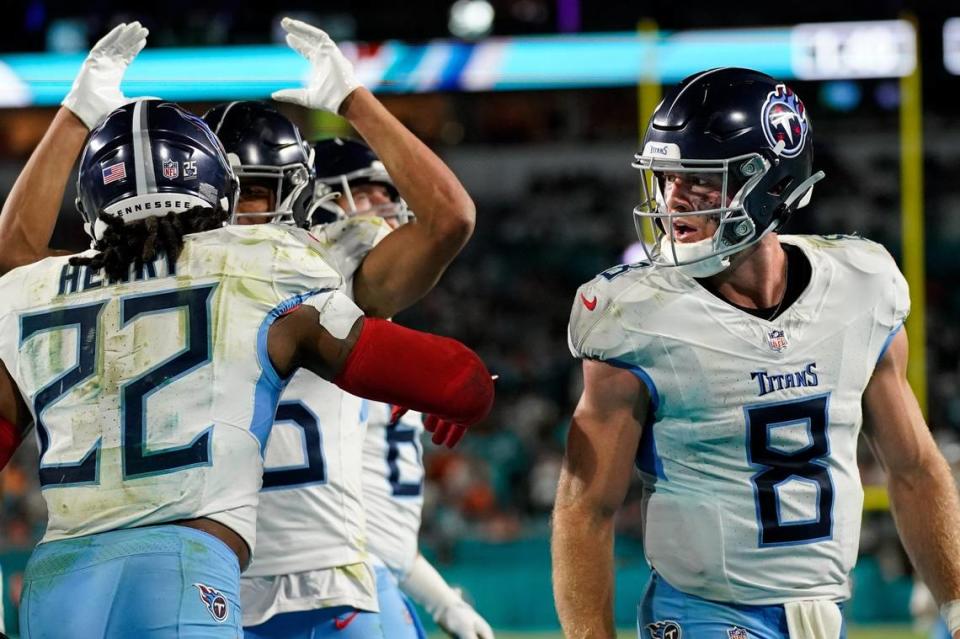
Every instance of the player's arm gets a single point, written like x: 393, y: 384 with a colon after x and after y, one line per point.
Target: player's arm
x: 407, y: 264
x: 15, y: 417
x: 428, y: 588
x: 923, y: 495
x: 30, y: 212
x: 384, y: 362
x: 601, y: 447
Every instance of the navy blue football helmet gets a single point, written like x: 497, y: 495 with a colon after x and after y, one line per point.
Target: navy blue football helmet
x: 148, y: 158
x: 749, y: 130
x: 342, y: 163
x: 263, y: 144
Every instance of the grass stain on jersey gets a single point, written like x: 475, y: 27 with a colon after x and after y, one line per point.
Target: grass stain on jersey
x: 358, y: 572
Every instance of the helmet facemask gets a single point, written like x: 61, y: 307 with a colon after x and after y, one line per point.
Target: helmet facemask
x: 753, y: 134
x: 265, y: 148
x: 290, y: 184
x: 330, y: 189
x: 736, y: 229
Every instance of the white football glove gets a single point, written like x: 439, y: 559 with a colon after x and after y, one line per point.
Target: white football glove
x: 331, y: 74
x: 460, y: 620
x: 445, y: 604
x: 96, y: 89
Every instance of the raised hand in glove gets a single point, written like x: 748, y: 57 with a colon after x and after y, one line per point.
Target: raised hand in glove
x: 331, y: 75
x: 96, y: 90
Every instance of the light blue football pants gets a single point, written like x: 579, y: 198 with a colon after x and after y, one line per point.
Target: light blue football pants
x: 940, y: 630
x: 397, y: 614
x: 339, y: 622
x: 666, y: 613
x: 156, y: 582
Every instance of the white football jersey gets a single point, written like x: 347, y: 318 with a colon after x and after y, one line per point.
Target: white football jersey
x: 393, y: 486
x: 153, y: 397
x: 312, y: 550
x: 348, y: 242
x: 752, y: 492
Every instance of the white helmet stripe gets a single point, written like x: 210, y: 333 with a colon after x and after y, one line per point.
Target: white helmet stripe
x: 142, y: 152
x: 223, y: 118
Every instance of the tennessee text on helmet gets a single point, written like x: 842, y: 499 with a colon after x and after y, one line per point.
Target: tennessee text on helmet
x: 148, y: 158
x: 264, y: 145
x: 342, y: 163
x: 746, y: 132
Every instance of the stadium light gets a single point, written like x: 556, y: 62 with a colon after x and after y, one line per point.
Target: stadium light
x: 851, y: 50
x: 471, y: 19
x: 951, y: 45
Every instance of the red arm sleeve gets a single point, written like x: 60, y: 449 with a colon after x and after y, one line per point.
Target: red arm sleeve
x: 420, y: 371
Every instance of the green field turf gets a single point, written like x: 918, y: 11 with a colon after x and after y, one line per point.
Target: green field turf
x: 862, y: 632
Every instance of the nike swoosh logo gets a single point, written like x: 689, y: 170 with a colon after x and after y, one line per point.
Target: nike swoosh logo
x: 342, y: 623
x: 590, y: 304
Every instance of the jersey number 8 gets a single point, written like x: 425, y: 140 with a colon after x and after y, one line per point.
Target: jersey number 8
x: 778, y: 466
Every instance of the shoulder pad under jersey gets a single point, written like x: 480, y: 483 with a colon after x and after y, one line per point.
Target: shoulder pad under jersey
x: 348, y: 241
x: 595, y: 330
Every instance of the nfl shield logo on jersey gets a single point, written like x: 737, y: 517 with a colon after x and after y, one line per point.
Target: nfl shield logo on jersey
x: 737, y: 633
x: 171, y: 169
x: 664, y: 630
x: 778, y: 341
x: 214, y: 600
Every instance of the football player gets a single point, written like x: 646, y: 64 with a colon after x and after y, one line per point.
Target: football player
x: 271, y: 160
x: 302, y: 580
x: 310, y: 572
x: 735, y: 366
x: 393, y: 499
x: 352, y: 182
x: 144, y: 504
x: 354, y: 186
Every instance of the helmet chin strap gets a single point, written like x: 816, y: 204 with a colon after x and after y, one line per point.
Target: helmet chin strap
x: 804, y: 191
x: 328, y: 202
x: 95, y: 231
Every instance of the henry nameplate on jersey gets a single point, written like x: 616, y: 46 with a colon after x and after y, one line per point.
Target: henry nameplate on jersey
x: 79, y: 279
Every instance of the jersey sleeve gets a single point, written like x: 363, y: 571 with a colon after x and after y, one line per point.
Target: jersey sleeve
x: 877, y: 274
x: 896, y: 303
x: 894, y: 292
x: 899, y: 297
x: 877, y: 278
x: 595, y: 331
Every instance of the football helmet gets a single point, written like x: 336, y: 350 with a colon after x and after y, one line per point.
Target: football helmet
x: 148, y: 158
x: 754, y: 135
x: 342, y: 163
x: 263, y: 144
